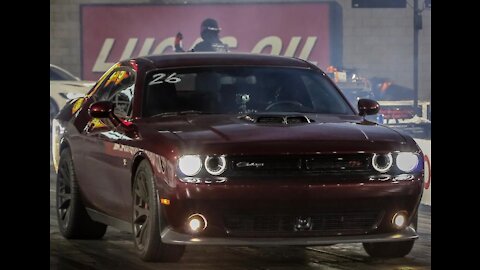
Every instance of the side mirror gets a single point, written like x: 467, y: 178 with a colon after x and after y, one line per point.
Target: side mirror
x: 368, y: 107
x: 104, y: 109
x: 101, y: 109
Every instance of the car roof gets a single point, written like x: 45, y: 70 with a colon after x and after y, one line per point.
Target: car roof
x: 224, y: 59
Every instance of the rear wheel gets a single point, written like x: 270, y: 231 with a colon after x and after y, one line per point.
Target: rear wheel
x: 73, y: 220
x: 147, y: 220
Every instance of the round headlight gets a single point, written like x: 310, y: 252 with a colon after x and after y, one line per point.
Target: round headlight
x: 190, y: 165
x: 215, y: 165
x: 382, y: 162
x: 407, y: 161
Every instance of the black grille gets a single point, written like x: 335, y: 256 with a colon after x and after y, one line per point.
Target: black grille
x: 321, y: 224
x: 313, y: 164
x: 337, y: 163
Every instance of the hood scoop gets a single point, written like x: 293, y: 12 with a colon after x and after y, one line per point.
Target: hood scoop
x: 277, y: 119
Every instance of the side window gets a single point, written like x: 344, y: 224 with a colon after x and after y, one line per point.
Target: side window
x: 123, y: 99
x: 119, y: 88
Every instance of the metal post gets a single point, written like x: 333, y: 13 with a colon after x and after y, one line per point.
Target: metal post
x: 416, y: 28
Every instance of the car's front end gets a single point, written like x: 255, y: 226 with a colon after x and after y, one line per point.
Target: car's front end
x: 292, y: 189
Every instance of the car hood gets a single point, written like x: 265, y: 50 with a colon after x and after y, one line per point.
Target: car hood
x: 220, y: 133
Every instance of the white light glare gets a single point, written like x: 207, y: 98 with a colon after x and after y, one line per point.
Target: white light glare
x: 399, y: 220
x: 190, y: 165
x: 195, y: 224
x: 407, y: 161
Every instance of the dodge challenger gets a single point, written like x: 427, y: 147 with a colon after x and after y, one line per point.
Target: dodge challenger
x: 232, y: 149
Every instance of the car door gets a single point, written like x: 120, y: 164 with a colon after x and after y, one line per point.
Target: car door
x: 106, y: 175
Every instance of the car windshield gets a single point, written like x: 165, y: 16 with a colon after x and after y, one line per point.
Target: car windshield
x: 240, y: 90
x: 57, y: 74
x: 354, y: 94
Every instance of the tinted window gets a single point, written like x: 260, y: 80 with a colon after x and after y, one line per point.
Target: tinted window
x: 118, y: 88
x: 233, y: 90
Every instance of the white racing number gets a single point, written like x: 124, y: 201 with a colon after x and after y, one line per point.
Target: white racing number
x: 159, y: 78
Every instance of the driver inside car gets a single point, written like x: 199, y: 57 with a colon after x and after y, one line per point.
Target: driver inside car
x: 285, y: 93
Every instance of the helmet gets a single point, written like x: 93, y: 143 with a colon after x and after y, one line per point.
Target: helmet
x: 210, y: 25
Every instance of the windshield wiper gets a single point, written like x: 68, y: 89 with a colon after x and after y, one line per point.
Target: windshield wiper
x: 192, y: 112
x: 166, y: 114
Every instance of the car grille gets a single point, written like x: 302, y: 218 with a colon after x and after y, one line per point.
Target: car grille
x: 321, y: 224
x: 309, y: 164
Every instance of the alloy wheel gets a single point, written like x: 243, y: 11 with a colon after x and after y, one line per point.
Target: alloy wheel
x: 64, y: 194
x: 141, y: 212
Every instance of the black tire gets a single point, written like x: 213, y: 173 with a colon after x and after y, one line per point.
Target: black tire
x: 73, y: 220
x: 147, y: 222
x: 391, y: 249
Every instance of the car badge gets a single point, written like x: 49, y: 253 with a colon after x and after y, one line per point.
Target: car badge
x: 303, y: 224
x: 249, y: 164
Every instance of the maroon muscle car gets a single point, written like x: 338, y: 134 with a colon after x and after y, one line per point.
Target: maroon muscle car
x: 232, y: 149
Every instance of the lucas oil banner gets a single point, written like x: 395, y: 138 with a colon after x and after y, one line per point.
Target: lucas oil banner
x: 110, y: 33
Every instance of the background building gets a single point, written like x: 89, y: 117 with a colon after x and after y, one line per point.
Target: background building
x: 376, y: 41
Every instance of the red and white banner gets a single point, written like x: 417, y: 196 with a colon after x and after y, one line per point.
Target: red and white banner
x: 114, y: 32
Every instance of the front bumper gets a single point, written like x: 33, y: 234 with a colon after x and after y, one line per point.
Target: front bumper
x: 171, y: 237
x: 269, y: 210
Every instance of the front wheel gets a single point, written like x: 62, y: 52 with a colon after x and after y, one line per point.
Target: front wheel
x: 147, y: 220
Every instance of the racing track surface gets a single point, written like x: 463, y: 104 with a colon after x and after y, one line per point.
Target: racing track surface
x: 115, y: 251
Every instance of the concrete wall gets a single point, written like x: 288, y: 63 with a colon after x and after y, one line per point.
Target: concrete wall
x: 65, y: 31
x: 379, y: 42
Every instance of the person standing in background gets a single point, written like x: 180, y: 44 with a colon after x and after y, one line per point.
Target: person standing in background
x: 209, y: 31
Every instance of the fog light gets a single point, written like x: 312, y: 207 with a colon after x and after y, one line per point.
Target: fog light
x: 197, y: 223
x: 399, y: 220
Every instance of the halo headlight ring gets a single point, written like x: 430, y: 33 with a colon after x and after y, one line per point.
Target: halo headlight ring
x: 382, y: 162
x: 215, y: 165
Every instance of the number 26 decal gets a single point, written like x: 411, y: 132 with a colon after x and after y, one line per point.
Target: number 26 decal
x: 160, y: 78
